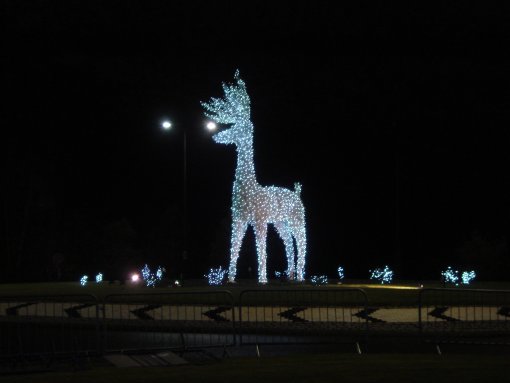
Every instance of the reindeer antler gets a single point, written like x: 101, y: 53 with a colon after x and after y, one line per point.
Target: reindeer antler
x: 235, y: 105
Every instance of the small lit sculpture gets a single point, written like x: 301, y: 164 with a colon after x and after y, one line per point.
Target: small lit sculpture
x: 468, y: 276
x: 450, y: 276
x: 215, y: 277
x: 253, y: 204
x: 382, y: 275
x: 341, y: 274
x: 319, y: 280
x: 150, y: 278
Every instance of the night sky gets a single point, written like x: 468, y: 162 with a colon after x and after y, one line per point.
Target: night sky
x: 395, y: 122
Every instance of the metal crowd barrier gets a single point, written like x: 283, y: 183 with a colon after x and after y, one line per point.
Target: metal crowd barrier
x: 177, y: 320
x: 302, y: 316
x: 464, y: 316
x: 48, y: 327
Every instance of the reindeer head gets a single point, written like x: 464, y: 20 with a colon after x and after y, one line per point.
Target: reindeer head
x: 234, y: 110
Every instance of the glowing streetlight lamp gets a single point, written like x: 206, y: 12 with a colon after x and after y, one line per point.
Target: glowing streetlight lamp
x: 135, y: 278
x: 166, y: 125
x: 211, y: 126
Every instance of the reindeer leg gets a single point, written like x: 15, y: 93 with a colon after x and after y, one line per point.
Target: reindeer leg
x: 285, y: 234
x: 261, y: 237
x: 300, y: 236
x: 238, y: 231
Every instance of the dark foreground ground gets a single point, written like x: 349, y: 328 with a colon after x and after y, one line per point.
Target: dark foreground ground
x: 383, y: 362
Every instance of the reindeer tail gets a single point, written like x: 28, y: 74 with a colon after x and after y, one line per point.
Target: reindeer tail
x: 297, y: 188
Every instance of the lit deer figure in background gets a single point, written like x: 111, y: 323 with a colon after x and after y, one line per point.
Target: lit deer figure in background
x: 253, y: 204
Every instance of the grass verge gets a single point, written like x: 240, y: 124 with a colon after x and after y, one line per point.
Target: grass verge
x: 302, y: 368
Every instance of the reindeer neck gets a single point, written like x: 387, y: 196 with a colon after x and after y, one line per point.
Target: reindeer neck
x: 245, y: 170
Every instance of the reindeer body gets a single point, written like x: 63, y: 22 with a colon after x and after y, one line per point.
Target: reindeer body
x: 254, y: 204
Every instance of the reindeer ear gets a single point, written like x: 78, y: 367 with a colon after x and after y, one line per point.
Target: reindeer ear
x: 236, y: 75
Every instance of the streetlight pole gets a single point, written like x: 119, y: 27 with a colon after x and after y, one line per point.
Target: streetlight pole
x: 184, y: 200
x: 211, y: 126
x: 167, y: 125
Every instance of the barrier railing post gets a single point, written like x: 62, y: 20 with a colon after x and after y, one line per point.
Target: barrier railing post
x: 420, y: 319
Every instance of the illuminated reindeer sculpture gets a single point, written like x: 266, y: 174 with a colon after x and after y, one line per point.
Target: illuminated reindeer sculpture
x: 253, y: 204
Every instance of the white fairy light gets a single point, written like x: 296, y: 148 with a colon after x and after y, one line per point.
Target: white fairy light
x: 146, y: 272
x: 253, y: 204
x: 150, y: 278
x: 319, y: 280
x: 450, y: 276
x: 468, y: 276
x: 159, y: 273
x: 215, y: 277
x: 382, y: 275
x: 83, y: 280
x: 340, y: 271
x: 99, y: 278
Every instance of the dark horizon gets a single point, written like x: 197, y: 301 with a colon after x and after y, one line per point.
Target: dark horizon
x: 403, y: 160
